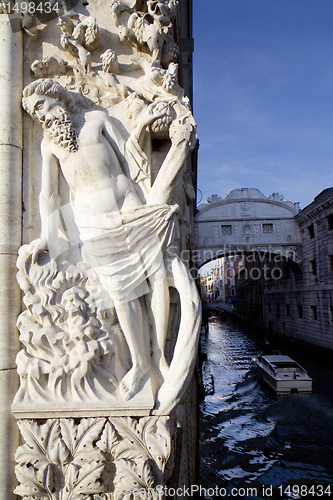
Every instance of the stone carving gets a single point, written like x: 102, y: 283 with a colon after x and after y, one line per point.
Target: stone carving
x: 70, y: 335
x: 141, y: 456
x: 80, y: 39
x: 98, y: 306
x: 60, y: 459
x: 117, y: 458
x: 214, y: 199
x: 148, y: 26
x: 245, y: 207
x: 50, y: 65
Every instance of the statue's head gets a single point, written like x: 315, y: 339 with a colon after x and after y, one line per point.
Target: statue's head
x: 44, y: 92
x: 47, y: 102
x: 66, y: 25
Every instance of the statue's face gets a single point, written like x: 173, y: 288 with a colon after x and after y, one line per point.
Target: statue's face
x: 66, y: 26
x: 44, y: 108
x: 55, y: 120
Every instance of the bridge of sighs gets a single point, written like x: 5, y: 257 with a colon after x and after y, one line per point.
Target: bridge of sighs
x: 245, y: 221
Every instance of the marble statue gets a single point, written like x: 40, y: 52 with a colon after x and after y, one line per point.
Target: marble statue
x: 110, y: 216
x: 112, y: 314
x: 127, y: 217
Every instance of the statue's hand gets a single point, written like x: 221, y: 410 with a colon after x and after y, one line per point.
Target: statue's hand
x: 155, y: 111
x: 40, y: 246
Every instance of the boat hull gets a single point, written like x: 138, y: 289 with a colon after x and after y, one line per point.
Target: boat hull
x: 285, y: 386
x: 283, y: 374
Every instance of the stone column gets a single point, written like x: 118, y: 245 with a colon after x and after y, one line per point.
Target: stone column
x: 11, y: 83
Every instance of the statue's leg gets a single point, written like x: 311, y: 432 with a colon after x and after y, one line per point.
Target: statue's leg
x: 159, y: 305
x: 131, y: 322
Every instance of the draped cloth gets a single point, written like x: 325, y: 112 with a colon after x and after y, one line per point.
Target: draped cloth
x: 124, y: 249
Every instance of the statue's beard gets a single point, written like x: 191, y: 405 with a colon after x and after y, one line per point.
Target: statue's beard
x: 60, y: 128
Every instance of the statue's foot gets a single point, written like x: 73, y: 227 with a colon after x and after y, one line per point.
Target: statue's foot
x: 129, y: 385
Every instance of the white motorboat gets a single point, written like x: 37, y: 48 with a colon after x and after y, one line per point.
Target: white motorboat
x: 283, y: 374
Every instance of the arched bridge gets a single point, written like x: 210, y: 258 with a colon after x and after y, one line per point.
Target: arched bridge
x: 246, y: 221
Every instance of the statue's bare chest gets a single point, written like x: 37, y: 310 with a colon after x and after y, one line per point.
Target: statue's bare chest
x: 90, y: 134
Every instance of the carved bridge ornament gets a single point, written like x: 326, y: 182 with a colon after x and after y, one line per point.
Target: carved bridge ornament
x: 112, y: 314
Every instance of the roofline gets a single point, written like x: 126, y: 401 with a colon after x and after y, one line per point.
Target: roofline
x: 283, y: 204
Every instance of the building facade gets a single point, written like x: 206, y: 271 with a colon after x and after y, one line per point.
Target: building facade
x: 232, y: 267
x: 212, y: 285
x: 245, y: 221
x: 300, y: 304
x: 286, y: 283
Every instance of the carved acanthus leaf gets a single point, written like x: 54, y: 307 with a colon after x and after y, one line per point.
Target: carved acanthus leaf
x: 149, y: 437
x: 108, y: 439
x: 79, y: 438
x: 59, y: 459
x: 35, y: 483
x: 86, y: 481
x: 43, y: 444
x: 132, y: 477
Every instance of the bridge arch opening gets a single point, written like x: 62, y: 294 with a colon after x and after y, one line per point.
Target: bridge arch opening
x: 229, y: 277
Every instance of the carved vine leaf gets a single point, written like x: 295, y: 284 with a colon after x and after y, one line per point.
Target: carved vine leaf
x: 32, y: 482
x: 108, y: 439
x: 59, y: 460
x: 148, y: 437
x: 133, y: 477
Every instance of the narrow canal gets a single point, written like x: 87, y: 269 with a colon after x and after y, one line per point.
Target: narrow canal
x: 254, y: 444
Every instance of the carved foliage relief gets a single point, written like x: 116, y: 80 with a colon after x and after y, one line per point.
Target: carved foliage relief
x: 64, y: 459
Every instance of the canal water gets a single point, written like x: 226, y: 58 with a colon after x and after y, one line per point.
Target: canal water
x: 254, y: 444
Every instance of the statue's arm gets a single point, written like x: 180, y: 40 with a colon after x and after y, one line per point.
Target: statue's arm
x: 183, y: 139
x: 48, y: 201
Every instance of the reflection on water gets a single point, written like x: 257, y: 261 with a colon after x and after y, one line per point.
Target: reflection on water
x: 249, y: 436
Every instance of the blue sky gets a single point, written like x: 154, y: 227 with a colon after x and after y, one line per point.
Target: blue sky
x: 263, y: 96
